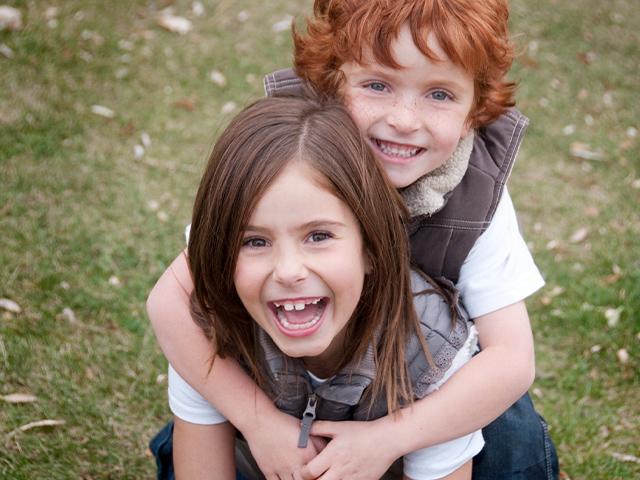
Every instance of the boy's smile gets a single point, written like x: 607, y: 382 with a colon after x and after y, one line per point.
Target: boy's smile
x: 414, y: 116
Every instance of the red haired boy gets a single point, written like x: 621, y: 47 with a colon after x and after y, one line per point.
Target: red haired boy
x: 425, y: 82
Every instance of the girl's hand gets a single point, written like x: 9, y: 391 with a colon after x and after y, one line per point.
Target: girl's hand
x: 356, y: 451
x: 273, y: 442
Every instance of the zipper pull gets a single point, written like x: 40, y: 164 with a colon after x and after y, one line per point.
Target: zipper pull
x: 308, y: 417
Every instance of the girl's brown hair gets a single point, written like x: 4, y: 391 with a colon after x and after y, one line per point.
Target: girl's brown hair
x: 473, y: 33
x: 258, y: 144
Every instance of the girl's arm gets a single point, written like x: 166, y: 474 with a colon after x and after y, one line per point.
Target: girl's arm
x: 473, y: 397
x: 204, y: 451
x: 271, y: 434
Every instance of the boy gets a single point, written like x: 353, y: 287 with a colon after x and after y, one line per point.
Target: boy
x: 418, y: 77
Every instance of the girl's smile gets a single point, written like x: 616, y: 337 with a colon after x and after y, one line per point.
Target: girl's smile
x: 301, y: 267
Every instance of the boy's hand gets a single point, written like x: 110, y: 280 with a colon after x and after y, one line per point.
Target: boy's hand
x: 274, y: 445
x: 357, y: 451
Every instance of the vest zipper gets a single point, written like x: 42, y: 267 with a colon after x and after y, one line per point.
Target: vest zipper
x: 308, y: 417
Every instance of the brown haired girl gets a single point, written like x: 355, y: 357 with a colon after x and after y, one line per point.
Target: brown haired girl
x: 300, y: 265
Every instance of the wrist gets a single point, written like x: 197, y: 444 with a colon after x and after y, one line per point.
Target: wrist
x: 256, y: 415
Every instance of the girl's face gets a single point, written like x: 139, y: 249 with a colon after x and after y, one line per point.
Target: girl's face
x: 301, y: 267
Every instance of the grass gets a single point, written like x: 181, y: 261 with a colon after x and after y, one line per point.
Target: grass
x: 86, y: 227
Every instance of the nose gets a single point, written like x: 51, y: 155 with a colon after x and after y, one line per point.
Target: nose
x: 289, y: 267
x: 404, y: 116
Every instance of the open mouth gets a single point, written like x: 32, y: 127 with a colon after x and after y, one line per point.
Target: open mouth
x: 397, y: 150
x: 299, y: 315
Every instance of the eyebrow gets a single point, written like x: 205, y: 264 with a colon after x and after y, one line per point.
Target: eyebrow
x: 304, y: 226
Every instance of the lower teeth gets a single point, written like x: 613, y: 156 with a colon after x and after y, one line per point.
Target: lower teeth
x: 298, y: 326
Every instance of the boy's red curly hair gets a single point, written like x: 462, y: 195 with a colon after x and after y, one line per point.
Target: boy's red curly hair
x: 473, y: 33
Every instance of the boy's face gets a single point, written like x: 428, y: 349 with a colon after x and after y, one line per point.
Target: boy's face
x: 413, y: 117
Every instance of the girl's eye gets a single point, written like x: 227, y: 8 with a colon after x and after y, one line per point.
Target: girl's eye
x: 316, y: 237
x: 376, y: 86
x: 440, y: 95
x: 254, y: 242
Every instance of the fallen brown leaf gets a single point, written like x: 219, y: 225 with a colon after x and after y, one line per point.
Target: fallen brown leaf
x: 10, y: 305
x: 19, y: 398
x: 185, y: 104
x: 579, y: 235
x: 38, y: 424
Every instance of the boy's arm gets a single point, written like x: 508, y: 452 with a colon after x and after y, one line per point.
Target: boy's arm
x: 271, y: 434
x: 474, y: 396
x: 203, y: 451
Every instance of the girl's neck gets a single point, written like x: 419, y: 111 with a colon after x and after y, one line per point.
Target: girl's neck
x: 326, y: 364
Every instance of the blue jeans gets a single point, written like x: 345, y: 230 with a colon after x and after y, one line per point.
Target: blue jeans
x: 518, y: 447
x: 162, y: 447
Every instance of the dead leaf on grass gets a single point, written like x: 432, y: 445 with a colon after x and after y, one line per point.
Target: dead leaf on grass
x: 10, y: 305
x: 623, y: 356
x: 613, y: 316
x: 174, y: 23
x: 145, y: 139
x: 185, y: 104
x: 587, y: 57
x: 579, y: 235
x: 6, y: 51
x: 102, y: 111
x: 625, y: 457
x: 138, y: 151
x: 283, y: 25
x: 592, y: 212
x: 19, y: 398
x: 69, y: 315
x: 38, y: 424
x: 10, y: 18
x: 218, y: 78
x: 197, y: 8
x: 585, y: 152
x: 228, y: 107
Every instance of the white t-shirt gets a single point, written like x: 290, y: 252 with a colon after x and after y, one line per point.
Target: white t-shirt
x: 499, y: 270
x: 425, y: 464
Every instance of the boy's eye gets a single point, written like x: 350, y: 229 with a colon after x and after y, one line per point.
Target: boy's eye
x: 254, y: 242
x: 377, y: 86
x: 319, y: 236
x: 440, y: 95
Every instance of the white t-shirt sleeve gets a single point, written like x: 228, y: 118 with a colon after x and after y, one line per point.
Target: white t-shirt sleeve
x: 499, y: 270
x: 442, y: 459
x: 188, y: 405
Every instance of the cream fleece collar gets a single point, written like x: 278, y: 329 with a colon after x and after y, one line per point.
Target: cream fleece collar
x: 426, y: 195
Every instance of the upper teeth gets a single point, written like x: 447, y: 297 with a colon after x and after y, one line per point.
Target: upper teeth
x: 397, y: 151
x: 289, y: 306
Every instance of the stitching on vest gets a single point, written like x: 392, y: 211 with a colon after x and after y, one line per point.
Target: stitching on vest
x: 513, y: 147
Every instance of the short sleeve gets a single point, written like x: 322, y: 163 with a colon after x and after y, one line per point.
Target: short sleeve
x: 442, y: 459
x: 188, y: 405
x: 499, y: 270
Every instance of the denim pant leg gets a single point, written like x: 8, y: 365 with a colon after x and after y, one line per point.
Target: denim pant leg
x: 518, y: 447
x: 161, y: 446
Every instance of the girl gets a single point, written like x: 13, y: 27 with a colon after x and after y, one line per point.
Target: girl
x: 300, y: 268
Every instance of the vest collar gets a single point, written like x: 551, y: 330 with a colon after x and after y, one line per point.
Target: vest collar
x: 428, y: 194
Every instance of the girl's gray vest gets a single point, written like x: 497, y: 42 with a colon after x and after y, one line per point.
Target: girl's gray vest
x: 341, y: 398
x: 440, y: 242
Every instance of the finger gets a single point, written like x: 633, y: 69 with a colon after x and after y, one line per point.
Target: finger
x: 319, y: 443
x: 316, y: 467
x: 324, y: 428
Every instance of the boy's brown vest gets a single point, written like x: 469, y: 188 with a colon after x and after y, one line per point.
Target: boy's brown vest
x: 441, y: 242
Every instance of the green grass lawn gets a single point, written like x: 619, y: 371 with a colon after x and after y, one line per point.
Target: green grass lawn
x: 92, y: 210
